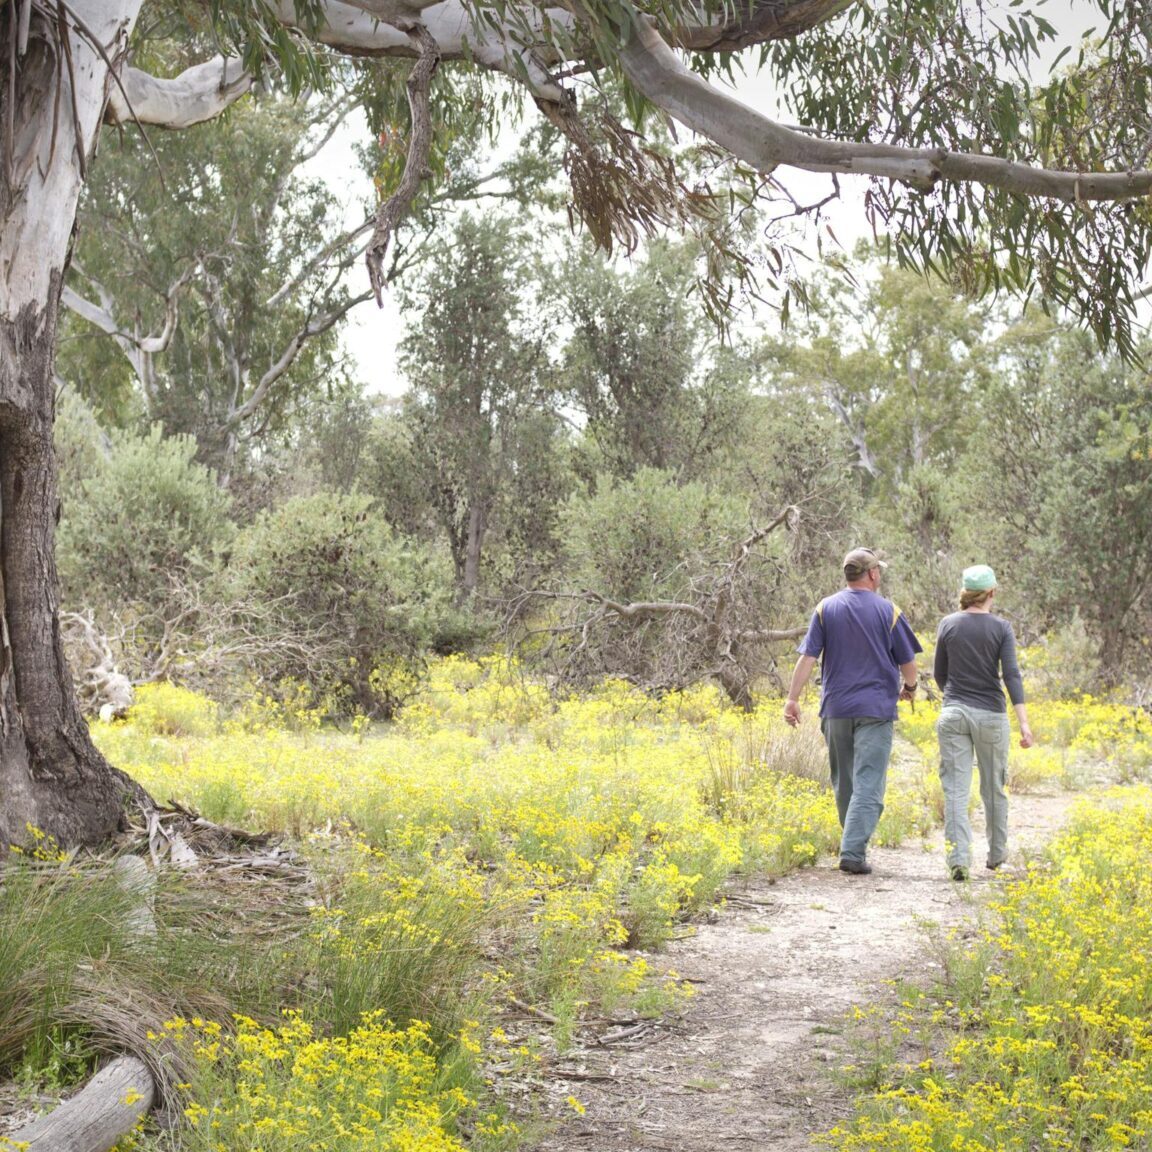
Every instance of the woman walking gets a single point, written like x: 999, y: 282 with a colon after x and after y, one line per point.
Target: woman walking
x: 975, y: 651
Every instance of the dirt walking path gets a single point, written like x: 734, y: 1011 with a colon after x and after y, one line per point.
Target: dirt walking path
x: 748, y: 1065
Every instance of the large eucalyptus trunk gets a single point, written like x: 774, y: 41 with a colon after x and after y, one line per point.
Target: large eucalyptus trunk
x: 53, y: 87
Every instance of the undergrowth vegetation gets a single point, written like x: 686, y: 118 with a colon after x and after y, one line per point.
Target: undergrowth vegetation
x: 1041, y: 1037
x: 471, y: 886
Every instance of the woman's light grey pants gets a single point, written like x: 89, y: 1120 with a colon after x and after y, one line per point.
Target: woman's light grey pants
x: 966, y: 733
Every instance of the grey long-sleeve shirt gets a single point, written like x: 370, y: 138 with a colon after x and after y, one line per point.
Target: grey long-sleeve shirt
x: 974, y: 651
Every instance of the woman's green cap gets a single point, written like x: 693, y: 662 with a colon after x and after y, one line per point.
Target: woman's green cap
x: 979, y: 578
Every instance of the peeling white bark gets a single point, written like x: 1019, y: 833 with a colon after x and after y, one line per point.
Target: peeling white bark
x: 353, y: 28
x: 199, y: 93
x: 49, y: 149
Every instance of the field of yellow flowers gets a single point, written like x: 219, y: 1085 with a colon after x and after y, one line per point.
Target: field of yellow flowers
x: 1039, y: 1037
x: 493, y: 848
x: 1043, y: 1038
x: 497, y: 855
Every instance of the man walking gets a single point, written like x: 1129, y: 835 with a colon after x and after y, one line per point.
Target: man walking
x: 869, y: 663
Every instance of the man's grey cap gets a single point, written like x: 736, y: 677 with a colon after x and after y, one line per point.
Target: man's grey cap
x: 861, y: 560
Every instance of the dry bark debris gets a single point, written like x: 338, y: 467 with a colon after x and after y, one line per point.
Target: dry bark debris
x: 174, y: 831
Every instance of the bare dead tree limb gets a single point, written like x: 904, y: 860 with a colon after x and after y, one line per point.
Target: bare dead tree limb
x: 662, y: 643
x: 198, y: 94
x: 101, y: 687
x: 645, y: 608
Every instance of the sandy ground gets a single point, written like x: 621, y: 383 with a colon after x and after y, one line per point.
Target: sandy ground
x: 750, y: 1063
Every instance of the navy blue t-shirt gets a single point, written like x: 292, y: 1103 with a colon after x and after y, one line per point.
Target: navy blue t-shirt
x: 862, y: 639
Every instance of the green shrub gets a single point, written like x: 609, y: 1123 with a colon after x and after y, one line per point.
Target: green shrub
x: 82, y: 447
x: 353, y: 606
x: 650, y: 539
x: 149, y: 511
x: 644, y: 537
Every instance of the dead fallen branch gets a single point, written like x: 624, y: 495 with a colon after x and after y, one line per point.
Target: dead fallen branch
x: 105, y: 1110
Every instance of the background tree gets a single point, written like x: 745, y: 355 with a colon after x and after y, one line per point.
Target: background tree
x: 902, y: 363
x: 897, y: 358
x: 792, y: 455
x: 479, y: 426
x: 404, y: 497
x: 334, y: 451
x: 216, y: 267
x: 1059, y: 479
x: 639, y: 364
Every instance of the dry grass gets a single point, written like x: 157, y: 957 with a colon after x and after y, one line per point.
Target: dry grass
x: 106, y: 949
x: 796, y: 752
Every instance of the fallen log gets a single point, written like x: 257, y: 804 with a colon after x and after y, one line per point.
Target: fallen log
x: 103, y: 1112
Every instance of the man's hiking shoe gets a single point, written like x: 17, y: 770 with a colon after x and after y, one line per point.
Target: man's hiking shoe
x: 959, y: 872
x: 993, y: 866
x: 856, y: 867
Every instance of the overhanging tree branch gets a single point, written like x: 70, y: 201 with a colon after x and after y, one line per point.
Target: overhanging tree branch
x: 396, y: 207
x: 652, y: 65
x: 658, y: 73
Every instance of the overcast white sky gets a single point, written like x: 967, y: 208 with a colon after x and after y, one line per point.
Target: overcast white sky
x: 372, y: 334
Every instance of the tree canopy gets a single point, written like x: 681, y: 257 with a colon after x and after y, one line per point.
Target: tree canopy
x: 981, y: 166
x: 216, y: 269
